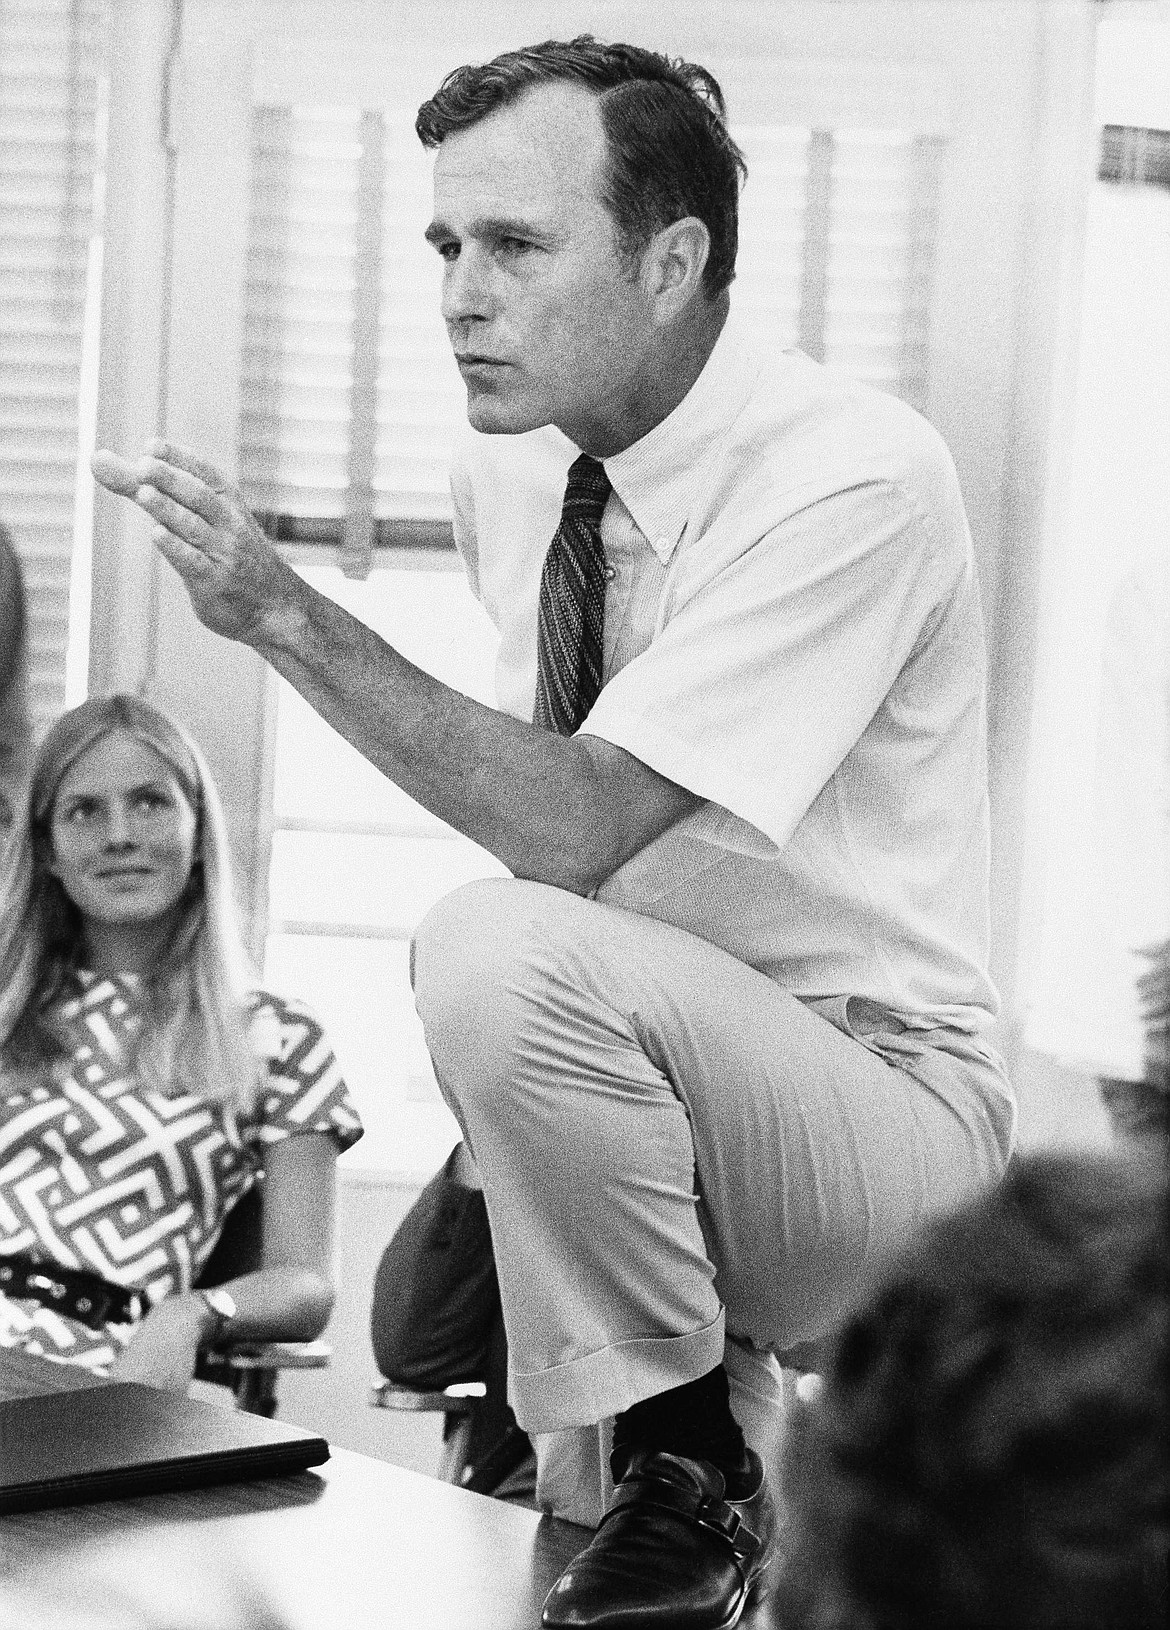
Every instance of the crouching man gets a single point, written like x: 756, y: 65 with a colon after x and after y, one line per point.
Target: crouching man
x: 715, y: 1045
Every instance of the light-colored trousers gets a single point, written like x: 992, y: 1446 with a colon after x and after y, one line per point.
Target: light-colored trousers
x: 676, y: 1153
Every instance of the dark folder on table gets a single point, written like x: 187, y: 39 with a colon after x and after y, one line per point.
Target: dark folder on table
x: 118, y: 1441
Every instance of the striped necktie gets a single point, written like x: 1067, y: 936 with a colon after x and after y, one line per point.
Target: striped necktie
x: 571, y: 614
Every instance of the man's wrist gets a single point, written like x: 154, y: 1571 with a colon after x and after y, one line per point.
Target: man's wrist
x: 286, y: 626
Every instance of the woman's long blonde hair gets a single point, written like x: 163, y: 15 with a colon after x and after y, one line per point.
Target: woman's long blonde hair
x: 195, y: 1036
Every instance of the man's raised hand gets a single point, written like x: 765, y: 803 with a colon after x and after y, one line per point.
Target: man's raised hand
x: 238, y: 584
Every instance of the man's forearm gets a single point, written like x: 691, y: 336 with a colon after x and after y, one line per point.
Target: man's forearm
x: 562, y: 810
x: 548, y: 806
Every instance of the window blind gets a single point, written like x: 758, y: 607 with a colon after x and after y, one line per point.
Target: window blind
x: 345, y: 442
x: 346, y: 369
x: 49, y: 56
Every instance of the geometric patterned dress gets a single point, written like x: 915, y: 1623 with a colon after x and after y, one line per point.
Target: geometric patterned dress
x: 133, y: 1185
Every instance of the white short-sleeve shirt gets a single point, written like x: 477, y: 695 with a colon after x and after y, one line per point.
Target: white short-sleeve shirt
x: 793, y: 632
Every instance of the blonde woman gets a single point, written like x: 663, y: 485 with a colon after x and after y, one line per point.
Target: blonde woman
x: 145, y: 1083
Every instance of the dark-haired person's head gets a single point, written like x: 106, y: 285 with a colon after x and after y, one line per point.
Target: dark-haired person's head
x: 989, y: 1450
x: 586, y: 206
x: 668, y: 150
x: 15, y: 735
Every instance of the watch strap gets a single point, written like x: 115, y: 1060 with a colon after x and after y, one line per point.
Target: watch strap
x: 223, y: 1308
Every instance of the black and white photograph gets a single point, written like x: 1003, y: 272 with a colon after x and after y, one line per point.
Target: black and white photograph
x: 584, y: 814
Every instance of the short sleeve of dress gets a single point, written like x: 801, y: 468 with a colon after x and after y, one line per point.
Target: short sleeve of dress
x: 305, y: 1090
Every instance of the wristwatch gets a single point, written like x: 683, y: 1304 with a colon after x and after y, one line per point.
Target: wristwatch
x: 223, y: 1306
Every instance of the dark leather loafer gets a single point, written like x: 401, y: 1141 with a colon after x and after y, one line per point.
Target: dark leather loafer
x: 672, y: 1553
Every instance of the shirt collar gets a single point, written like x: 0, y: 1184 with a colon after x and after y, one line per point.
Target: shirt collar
x: 657, y: 478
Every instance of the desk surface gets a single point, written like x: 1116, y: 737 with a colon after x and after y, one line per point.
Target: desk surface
x: 353, y: 1543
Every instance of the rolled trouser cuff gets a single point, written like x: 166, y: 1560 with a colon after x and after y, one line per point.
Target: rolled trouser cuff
x: 585, y: 1390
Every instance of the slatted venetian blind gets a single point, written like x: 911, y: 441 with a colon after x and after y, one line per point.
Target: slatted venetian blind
x: 49, y: 57
x: 350, y: 397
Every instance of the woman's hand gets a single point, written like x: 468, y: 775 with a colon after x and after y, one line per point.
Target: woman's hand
x: 166, y: 1344
x: 288, y: 1299
x: 238, y: 584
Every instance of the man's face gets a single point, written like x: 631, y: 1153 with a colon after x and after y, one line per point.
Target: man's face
x: 547, y: 323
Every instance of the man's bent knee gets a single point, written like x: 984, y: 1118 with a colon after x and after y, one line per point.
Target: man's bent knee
x: 459, y: 920
x: 469, y: 964
x: 456, y: 945
x: 485, y: 922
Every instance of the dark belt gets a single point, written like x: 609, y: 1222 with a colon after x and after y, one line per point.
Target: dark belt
x: 71, y: 1291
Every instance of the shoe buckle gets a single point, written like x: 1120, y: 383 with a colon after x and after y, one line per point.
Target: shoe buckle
x: 720, y: 1518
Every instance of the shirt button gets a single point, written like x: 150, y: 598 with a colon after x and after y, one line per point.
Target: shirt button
x: 610, y: 573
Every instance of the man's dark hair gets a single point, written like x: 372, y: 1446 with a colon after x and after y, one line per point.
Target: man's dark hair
x: 990, y: 1445
x: 670, y: 154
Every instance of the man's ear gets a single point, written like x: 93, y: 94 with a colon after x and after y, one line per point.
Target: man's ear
x: 673, y: 264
